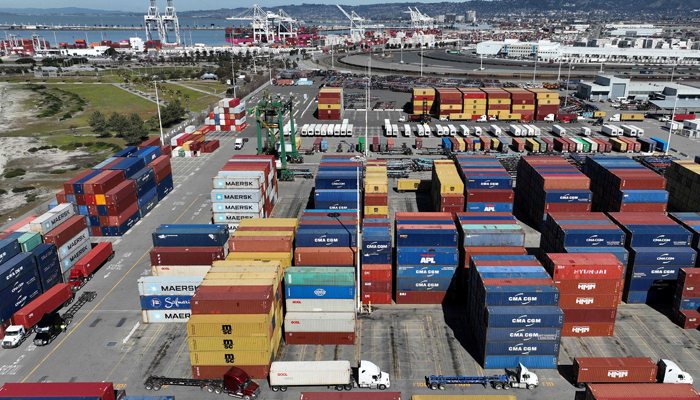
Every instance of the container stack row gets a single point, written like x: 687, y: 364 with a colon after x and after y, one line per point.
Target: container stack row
x: 514, y: 312
x: 447, y: 189
x: 193, y: 141
x: 590, y: 287
x: 422, y: 100
x: 228, y: 115
x: 236, y: 321
x: 246, y: 187
x: 326, y: 250
x: 498, y: 103
x: 448, y: 101
x: 376, y: 190
x: 337, y: 183
x: 550, y: 184
x: 523, y: 102
x: 473, y: 103
x: 684, y: 185
x: 121, y: 190
x: 658, y: 247
x: 278, y: 232
x: 330, y: 103
x: 376, y: 275
x: 320, y: 305
x: 488, y: 186
x: 686, y: 300
x: 547, y: 102
x: 427, y: 257
x: 620, y: 184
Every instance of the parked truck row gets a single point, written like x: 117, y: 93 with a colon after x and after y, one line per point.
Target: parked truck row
x: 343, y: 129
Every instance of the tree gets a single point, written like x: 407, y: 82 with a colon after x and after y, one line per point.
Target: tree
x: 171, y: 113
x: 118, y: 124
x: 110, y: 52
x: 98, y: 123
x: 152, y: 123
x: 136, y: 131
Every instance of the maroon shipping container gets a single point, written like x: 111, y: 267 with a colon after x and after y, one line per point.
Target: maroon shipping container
x: 588, y: 301
x: 625, y: 391
x: 420, y: 297
x: 588, y: 286
x: 114, y: 162
x: 376, y: 272
x: 489, y: 196
x: 233, y: 300
x: 448, y: 199
x: 94, y: 258
x: 560, y: 144
x: 688, y: 291
x: 186, y: 255
x: 614, y: 370
x: 424, y: 216
x: 376, y: 199
x: 116, y: 220
x: 66, y: 231
x: 114, y: 210
x: 331, y: 338
x: 275, y: 244
x: 101, y: 390
x: 588, y: 329
x: 218, y: 371
x: 345, y: 222
x: 95, y: 231
x: 46, y: 303
x: 324, y: 256
x: 163, y: 173
x: 643, y: 207
x: 518, y: 144
x: 103, y: 182
x: 376, y: 286
x: 120, y: 192
x: 689, y: 276
x: 605, y: 315
x: 61, y: 197
x: 68, y: 185
x: 584, y: 266
x: 159, y: 163
x: 451, y: 209
x: 80, y: 199
x: 491, y: 251
x: 350, y: 396
x: 376, y: 298
x: 687, y: 319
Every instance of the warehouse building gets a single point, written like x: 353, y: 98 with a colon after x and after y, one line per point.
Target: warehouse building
x: 605, y: 87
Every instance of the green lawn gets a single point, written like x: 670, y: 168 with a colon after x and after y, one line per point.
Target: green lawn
x: 198, y: 101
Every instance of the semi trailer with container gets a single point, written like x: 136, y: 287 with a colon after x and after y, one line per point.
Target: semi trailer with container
x: 626, y: 370
x: 337, y: 374
x: 85, y: 267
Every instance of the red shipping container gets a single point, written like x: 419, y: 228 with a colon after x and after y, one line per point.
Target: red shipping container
x: 375, y: 199
x: 589, y: 300
x: 218, y: 371
x: 68, y: 185
x: 154, y: 141
x: 643, y: 207
x: 66, y: 231
x: 115, y: 210
x: 233, y: 300
x: 166, y: 151
x: 46, y: 303
x: 377, y: 272
x: 489, y: 196
x: 103, y: 182
x: 80, y: 199
x: 186, y: 255
x: 266, y: 228
x: 626, y: 391
x: 452, y: 200
x: 376, y: 286
x: 420, y: 297
x: 593, y: 269
x: 116, y: 220
x: 275, y: 244
x: 689, y: 276
x: 120, y: 192
x: 159, y: 163
x: 588, y: 329
x: 588, y: 286
x: 327, y: 338
x: 424, y: 216
x: 452, y: 209
x: 605, y: 315
x: 518, y: 144
x: 95, y: 231
x: 687, y: 319
x: 93, y: 211
x: 688, y: 290
x: 163, y: 173
x: 324, y: 256
x: 100, y: 390
x: 607, y: 370
x: 61, y: 197
x: 376, y: 298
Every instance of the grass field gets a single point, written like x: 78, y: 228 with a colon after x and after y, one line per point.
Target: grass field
x: 198, y: 101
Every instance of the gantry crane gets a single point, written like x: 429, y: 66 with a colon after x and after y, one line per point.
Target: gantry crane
x: 356, y: 22
x: 151, y: 18
x: 269, y: 116
x: 170, y: 18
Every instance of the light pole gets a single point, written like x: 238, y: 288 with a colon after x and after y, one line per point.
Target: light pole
x: 359, y: 160
x: 233, y: 76
x: 534, y: 73
x: 559, y: 73
x: 160, y: 122
x: 568, y: 79
x: 421, y: 60
x: 673, y: 123
x: 369, y: 89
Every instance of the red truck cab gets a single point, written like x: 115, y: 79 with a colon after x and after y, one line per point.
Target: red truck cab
x: 239, y: 384
x: 86, y: 266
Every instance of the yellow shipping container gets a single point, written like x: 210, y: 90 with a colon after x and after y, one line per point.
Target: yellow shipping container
x: 461, y: 117
x: 521, y: 107
x: 462, y: 144
x: 274, y: 282
x: 618, y: 144
x: 213, y: 276
x: 384, y: 210
x: 495, y: 143
x: 222, y: 343
x: 632, y: 117
x: 100, y: 199
x: 477, y: 145
x: 532, y: 145
x: 376, y: 187
x: 268, y: 222
x: 451, y: 106
x: 474, y: 101
x: 547, y: 102
x: 285, y: 258
x: 498, y: 101
x: 376, y: 168
x: 419, y: 103
x: 508, y: 116
x: 423, y: 91
x: 276, y: 269
x: 231, y: 325
x: 412, y: 185
x: 598, y: 114
x: 263, y: 233
x: 186, y: 145
x: 231, y: 357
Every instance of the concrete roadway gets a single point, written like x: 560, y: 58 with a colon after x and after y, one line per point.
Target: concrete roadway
x: 108, y: 341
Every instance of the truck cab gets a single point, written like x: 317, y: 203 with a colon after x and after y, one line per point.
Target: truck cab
x: 48, y: 328
x: 239, y: 144
x: 670, y: 372
x: 238, y: 384
x: 549, y: 118
x: 370, y: 376
x: 14, y: 335
x: 522, y: 378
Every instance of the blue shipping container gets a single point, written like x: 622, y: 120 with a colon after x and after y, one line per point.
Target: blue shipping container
x: 146, y: 188
x: 320, y: 292
x: 423, y: 284
x: 165, y: 302
x: 124, y: 228
x: 150, y: 205
x: 325, y: 238
x: 646, y: 284
x: 685, y: 256
x: 371, y: 244
x: 130, y: 166
x: 426, y: 271
x: 514, y: 275
x: 518, y: 295
x: 336, y: 195
x: 643, y: 196
x: 511, y: 362
x: 379, y: 257
x: 330, y: 205
x: 148, y: 196
x: 426, y: 237
x: 143, y: 177
x: 8, y: 249
x: 19, y: 285
x: 19, y: 301
x: 523, y: 334
x: 164, y: 187
x: 591, y: 237
x: 127, y: 151
x: 336, y: 180
x: 427, y: 255
x: 656, y: 271
x: 15, y: 267
x: 524, y: 317
x: 489, y: 207
x: 490, y: 182
x: 568, y: 196
x: 657, y: 235
x: 190, y: 236
x: 521, y: 349
x: 648, y: 297
x: 147, y: 154
x: 51, y: 278
x: 620, y: 252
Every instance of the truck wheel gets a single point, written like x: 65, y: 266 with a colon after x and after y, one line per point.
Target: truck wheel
x: 210, y: 389
x: 283, y: 388
x: 274, y: 388
x: 339, y: 388
x: 497, y: 386
x: 434, y: 386
x: 580, y: 385
x: 148, y: 386
x: 347, y: 387
x: 246, y: 397
x: 157, y: 386
x: 531, y: 387
x: 506, y: 386
x: 382, y: 387
x: 218, y: 390
x: 441, y: 387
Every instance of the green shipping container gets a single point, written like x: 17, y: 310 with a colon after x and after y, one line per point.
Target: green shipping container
x: 586, y: 145
x: 322, y: 276
x: 361, y: 144
x: 543, y: 145
x: 29, y: 241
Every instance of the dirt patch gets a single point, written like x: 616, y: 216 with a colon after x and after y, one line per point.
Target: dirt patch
x: 12, y: 109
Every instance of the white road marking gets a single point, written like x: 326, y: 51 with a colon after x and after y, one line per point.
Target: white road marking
x: 107, y: 274
x: 126, y: 339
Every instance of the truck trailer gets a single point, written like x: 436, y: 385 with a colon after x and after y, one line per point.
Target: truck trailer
x: 338, y: 374
x: 589, y: 370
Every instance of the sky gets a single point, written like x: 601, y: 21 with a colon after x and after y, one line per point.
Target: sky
x: 183, y: 5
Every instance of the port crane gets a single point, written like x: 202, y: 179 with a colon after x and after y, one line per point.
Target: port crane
x: 357, y: 27
x: 152, y: 20
x: 269, y: 115
x: 170, y: 19
x: 420, y: 21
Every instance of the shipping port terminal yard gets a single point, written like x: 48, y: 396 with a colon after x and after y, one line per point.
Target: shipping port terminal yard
x: 108, y: 341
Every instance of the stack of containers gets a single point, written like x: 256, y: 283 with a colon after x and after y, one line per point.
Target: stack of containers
x: 330, y: 103
x: 336, y: 183
x: 327, y: 295
x: 48, y: 264
x: 447, y: 187
x: 691, y: 222
x: 590, y: 287
x: 619, y: 184
x: 72, y: 241
x: 236, y: 321
x: 228, y: 115
x: 497, y: 102
x: 426, y: 257
x: 686, y: 300
x: 488, y: 186
x: 545, y: 184
x: 523, y: 103
x: 547, y: 102
x: 330, y: 250
x: 658, y: 248
x: 280, y: 231
x: 376, y: 276
x: 376, y: 190
x: 246, y: 187
x: 474, y: 102
x: 683, y: 185
x: 423, y: 99
x: 448, y: 101
x: 188, y: 143
x: 167, y: 299
x: 20, y: 281
x: 514, y: 312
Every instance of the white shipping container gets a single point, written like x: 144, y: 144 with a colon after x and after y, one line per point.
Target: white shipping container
x: 79, y: 252
x: 180, y: 270
x: 190, y: 129
x: 238, y: 207
x: 23, y: 228
x: 55, y: 217
x: 171, y: 316
x: 169, y: 285
x: 75, y: 242
x: 592, y: 143
x: 225, y: 218
x: 238, y: 183
x: 319, y: 322
x: 310, y: 373
x: 320, y: 305
x: 232, y: 226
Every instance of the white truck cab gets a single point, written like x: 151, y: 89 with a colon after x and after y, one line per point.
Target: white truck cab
x: 522, y: 378
x: 238, y: 145
x: 549, y: 118
x: 670, y: 372
x: 370, y: 376
x: 14, y: 336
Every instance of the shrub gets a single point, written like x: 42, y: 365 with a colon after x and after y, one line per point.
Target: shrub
x: 3, y: 191
x: 22, y: 189
x: 13, y: 173
x: 30, y: 197
x: 57, y: 171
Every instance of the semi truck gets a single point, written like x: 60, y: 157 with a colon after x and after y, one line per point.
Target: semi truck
x: 629, y: 130
x: 521, y: 378
x: 486, y: 118
x: 82, y: 270
x: 626, y: 117
x: 589, y: 370
x: 517, y: 131
x: 235, y: 383
x: 585, y: 131
x: 337, y: 374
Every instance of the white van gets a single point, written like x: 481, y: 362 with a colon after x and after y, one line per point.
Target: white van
x: 336, y: 130
x: 464, y: 130
x: 440, y: 130
x: 453, y: 130
x: 317, y: 130
x: 348, y: 131
x: 406, y: 130
x: 420, y: 130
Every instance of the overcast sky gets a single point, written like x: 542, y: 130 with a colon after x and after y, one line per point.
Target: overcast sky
x: 184, y: 5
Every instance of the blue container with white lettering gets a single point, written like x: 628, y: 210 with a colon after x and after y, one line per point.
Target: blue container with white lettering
x: 489, y: 182
x: 164, y: 187
x: 489, y: 207
x: 523, y: 334
x: 147, y: 153
x: 643, y: 196
x: 515, y: 275
x: 664, y: 272
x: 325, y: 238
x: 143, y: 177
x: 427, y: 256
x: 336, y: 205
x: 202, y: 235
x: 424, y: 284
x: 320, y: 292
x: 165, y: 302
x: 426, y: 271
x: 336, y: 180
x: 512, y: 362
x: 591, y: 237
x: 427, y: 237
x: 524, y: 317
x: 685, y: 256
x: 568, y: 196
x: 336, y: 195
x: 146, y: 208
x: 8, y: 249
x: 19, y: 300
x: 657, y: 235
x: 127, y: 151
x: 376, y: 257
x: 519, y: 295
x: 521, y: 349
x: 51, y: 278
x: 376, y: 243
x: 14, y: 267
x: 18, y: 285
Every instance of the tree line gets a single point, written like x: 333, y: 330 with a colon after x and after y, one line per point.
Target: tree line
x: 132, y: 128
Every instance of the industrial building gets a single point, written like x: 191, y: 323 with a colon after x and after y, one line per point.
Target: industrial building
x: 605, y: 87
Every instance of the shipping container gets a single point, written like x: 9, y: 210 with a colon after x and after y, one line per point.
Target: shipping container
x: 74, y: 390
x: 169, y: 285
x: 658, y: 391
x: 614, y: 370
